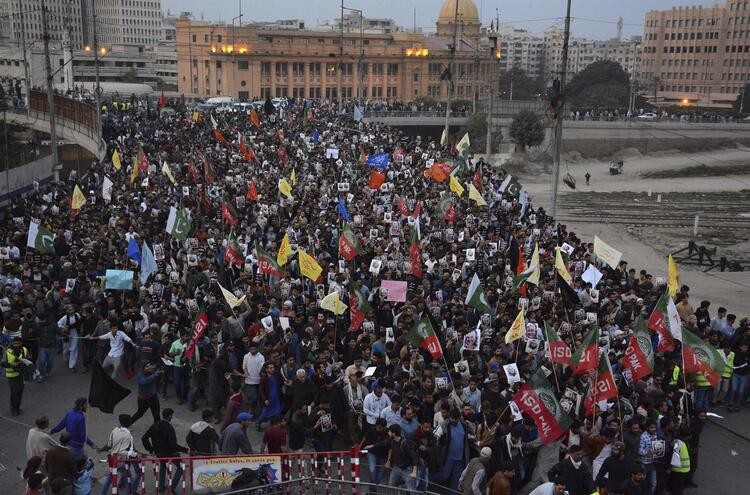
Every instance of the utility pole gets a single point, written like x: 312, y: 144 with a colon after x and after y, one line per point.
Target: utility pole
x: 491, y: 93
x: 341, y: 59
x: 450, y: 73
x: 50, y: 97
x: 560, y: 113
x: 25, y: 59
x: 97, y: 86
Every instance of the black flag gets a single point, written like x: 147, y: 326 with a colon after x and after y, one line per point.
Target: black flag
x: 569, y: 296
x: 105, y: 393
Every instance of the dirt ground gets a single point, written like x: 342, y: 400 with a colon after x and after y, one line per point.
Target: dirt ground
x: 647, y: 218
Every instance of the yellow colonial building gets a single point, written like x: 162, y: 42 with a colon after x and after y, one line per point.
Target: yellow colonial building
x: 257, y: 60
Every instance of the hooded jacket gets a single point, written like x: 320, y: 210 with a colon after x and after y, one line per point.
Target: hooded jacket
x: 202, y: 438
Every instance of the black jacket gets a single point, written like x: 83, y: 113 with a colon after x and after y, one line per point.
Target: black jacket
x: 617, y: 469
x: 577, y: 481
x: 202, y: 438
x: 161, y: 439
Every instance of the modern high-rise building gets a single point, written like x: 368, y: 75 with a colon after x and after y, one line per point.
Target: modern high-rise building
x: 697, y: 55
x: 521, y: 50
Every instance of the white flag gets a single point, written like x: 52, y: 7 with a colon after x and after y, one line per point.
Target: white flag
x: 673, y: 318
x: 107, y: 189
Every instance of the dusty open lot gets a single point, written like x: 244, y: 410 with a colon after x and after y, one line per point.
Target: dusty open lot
x: 648, y: 217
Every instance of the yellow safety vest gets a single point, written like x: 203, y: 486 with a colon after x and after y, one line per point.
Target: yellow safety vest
x: 729, y: 368
x: 675, y: 376
x: 684, y: 460
x: 700, y: 380
x: 11, y: 358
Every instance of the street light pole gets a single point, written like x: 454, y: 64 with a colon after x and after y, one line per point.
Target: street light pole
x: 50, y: 97
x: 97, y: 85
x: 560, y: 113
x: 25, y: 58
x: 341, y: 59
x: 450, y: 73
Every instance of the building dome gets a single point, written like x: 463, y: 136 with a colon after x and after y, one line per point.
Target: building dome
x: 467, y: 11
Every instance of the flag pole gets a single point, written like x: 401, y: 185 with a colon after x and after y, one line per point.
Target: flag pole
x: 684, y: 381
x: 619, y: 414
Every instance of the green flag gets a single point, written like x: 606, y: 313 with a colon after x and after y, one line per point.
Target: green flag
x: 475, y: 296
x: 40, y: 238
x: 178, y: 223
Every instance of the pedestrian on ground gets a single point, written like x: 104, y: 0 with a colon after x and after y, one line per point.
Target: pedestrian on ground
x: 473, y: 480
x: 148, y: 392
x: 202, y: 438
x: 120, y: 448
x: 39, y: 441
x: 74, y: 422
x: 234, y: 439
x: 13, y: 362
x: 60, y: 461
x: 161, y: 440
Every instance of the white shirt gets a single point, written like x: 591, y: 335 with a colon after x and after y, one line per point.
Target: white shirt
x: 116, y: 343
x: 373, y: 405
x: 253, y: 366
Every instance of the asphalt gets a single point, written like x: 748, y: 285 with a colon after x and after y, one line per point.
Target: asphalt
x: 725, y: 444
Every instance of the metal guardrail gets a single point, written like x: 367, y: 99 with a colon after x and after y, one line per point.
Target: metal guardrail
x: 325, y: 486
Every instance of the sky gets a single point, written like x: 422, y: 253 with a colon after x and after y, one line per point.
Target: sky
x: 594, y: 19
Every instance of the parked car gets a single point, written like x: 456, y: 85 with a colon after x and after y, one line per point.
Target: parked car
x: 648, y: 116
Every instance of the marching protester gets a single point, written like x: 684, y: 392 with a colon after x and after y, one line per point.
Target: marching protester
x: 352, y: 284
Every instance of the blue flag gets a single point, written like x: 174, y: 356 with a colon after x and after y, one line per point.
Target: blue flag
x: 316, y: 136
x: 148, y: 263
x: 134, y: 252
x: 378, y: 160
x: 118, y: 279
x: 357, y: 113
x: 342, y: 210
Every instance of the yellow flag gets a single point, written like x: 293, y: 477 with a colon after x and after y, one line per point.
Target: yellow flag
x: 285, y: 188
x: 606, y: 253
x: 456, y: 186
x: 476, y: 196
x: 561, y: 268
x: 333, y: 303
x: 534, y: 278
x: 116, y: 160
x: 232, y: 300
x: 134, y: 172
x: 517, y: 329
x: 168, y: 172
x: 443, y: 137
x: 673, y: 277
x: 285, y: 250
x: 308, y: 266
x: 293, y: 177
x: 78, y: 199
x: 196, y: 116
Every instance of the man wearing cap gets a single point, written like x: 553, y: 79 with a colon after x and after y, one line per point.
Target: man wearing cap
x: 13, y: 362
x: 473, y: 480
x: 234, y: 439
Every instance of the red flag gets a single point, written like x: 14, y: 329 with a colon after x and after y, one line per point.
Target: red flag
x: 401, y: 205
x: 477, y: 180
x: 228, y: 213
x: 559, y: 352
x: 254, y: 118
x: 362, y: 155
x: 537, y: 399
x: 208, y: 171
x: 635, y: 360
x: 436, y: 172
x: 252, y: 192
x: 450, y: 213
x: 232, y: 253
x: 162, y: 101
x: 219, y: 136
x: 415, y: 255
x: 586, y: 355
x: 201, y: 323
x: 281, y: 153
x: 243, y: 148
x: 376, y: 180
x: 143, y: 161
x: 520, y: 269
x: 193, y: 172
x: 658, y: 323
x: 604, y: 386
x: 349, y: 245
x: 417, y: 210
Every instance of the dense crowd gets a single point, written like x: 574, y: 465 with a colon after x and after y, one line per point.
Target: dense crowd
x: 431, y: 413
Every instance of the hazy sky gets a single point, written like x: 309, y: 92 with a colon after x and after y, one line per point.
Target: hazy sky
x: 592, y: 18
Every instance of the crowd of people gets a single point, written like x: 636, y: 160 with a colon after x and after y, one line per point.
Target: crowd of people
x: 229, y: 320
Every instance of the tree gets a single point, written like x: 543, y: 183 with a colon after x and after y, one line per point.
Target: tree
x: 603, y: 85
x: 476, y: 126
x: 523, y: 87
x: 526, y: 129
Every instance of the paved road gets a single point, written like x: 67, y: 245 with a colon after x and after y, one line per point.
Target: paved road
x: 723, y: 464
